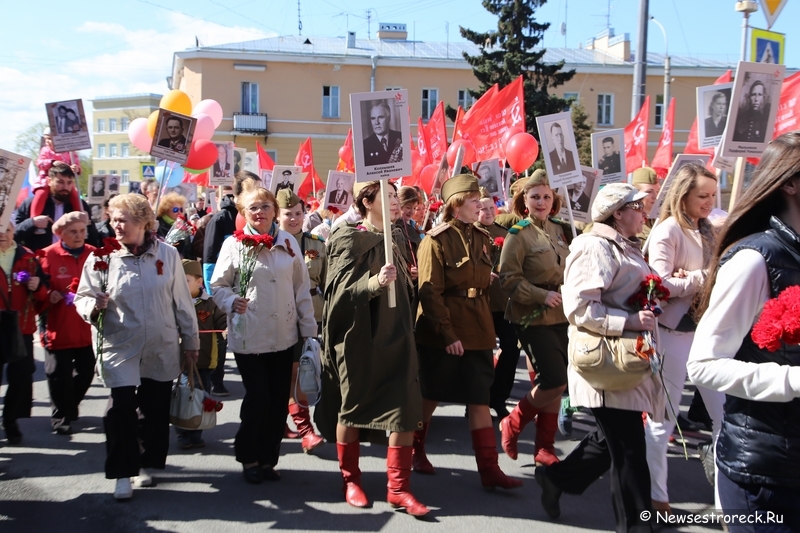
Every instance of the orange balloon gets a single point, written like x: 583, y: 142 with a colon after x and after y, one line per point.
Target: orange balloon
x: 152, y: 122
x: 177, y: 101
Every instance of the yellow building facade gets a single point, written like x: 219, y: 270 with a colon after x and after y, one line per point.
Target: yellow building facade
x: 112, y: 151
x: 282, y: 90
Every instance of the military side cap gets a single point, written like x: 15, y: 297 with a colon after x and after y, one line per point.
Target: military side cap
x: 459, y: 183
x: 539, y: 177
x: 645, y: 176
x: 193, y: 268
x: 287, y: 199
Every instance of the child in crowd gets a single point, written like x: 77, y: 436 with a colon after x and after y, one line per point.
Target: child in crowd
x: 210, y: 320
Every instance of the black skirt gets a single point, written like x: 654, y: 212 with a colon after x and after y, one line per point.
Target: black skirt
x: 465, y: 379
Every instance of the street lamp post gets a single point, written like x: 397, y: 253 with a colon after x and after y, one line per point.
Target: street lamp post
x: 667, y: 76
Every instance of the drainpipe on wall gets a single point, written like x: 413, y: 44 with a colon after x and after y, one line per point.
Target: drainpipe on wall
x: 372, y: 77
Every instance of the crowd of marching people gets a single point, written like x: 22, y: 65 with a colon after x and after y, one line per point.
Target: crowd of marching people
x: 611, y: 319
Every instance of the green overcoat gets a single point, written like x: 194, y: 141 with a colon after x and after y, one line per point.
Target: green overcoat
x: 370, y: 377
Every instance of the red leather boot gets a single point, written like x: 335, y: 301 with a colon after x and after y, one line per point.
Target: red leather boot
x: 302, y: 419
x: 398, y: 470
x: 483, y: 442
x: 351, y: 475
x: 546, y: 425
x: 512, y: 425
x: 418, y: 458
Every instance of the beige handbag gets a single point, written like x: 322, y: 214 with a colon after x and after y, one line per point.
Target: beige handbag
x: 608, y: 363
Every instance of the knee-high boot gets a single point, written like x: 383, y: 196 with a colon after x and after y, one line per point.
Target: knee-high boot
x: 348, y: 453
x: 398, y: 471
x: 546, y: 424
x: 302, y: 419
x: 419, y: 459
x: 485, y: 447
x: 512, y: 425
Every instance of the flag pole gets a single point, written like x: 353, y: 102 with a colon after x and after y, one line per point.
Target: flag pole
x: 387, y: 238
x: 565, y: 194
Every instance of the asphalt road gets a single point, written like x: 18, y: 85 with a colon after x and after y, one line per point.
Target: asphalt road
x: 55, y: 483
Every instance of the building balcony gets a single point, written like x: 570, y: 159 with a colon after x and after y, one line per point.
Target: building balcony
x: 254, y: 123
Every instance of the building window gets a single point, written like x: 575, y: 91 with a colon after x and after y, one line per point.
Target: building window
x: 126, y: 177
x: 101, y: 150
x: 112, y: 124
x: 465, y: 100
x: 101, y: 172
x: 659, y: 110
x: 605, y: 109
x: 101, y: 125
x: 273, y: 154
x: 330, y: 101
x: 249, y: 97
x: 113, y: 172
x: 570, y: 98
x: 112, y: 150
x: 124, y: 124
x: 124, y: 150
x: 430, y: 97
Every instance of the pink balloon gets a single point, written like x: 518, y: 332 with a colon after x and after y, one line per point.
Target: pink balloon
x: 345, y: 153
x: 510, y: 132
x: 210, y: 108
x: 521, y: 151
x: 138, y: 134
x: 469, y: 153
x: 205, y: 126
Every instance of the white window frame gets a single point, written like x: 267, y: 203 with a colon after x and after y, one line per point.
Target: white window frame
x: 101, y: 150
x: 429, y: 104
x: 124, y: 123
x: 101, y: 125
x: 124, y: 150
x: 112, y: 150
x: 608, y: 104
x: 112, y: 124
x: 330, y: 102
x: 465, y: 99
x: 659, y: 111
x: 250, y: 98
x: 571, y: 97
x: 126, y: 177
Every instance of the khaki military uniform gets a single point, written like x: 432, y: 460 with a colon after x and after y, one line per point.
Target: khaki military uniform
x: 648, y: 226
x: 313, y: 248
x: 497, y: 298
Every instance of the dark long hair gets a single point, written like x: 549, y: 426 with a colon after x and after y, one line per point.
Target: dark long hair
x: 751, y: 214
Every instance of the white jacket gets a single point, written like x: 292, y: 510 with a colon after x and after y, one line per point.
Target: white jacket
x: 279, y: 296
x: 149, y: 318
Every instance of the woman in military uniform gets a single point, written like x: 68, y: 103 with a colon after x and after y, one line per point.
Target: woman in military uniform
x: 312, y: 247
x: 531, y: 272
x: 370, y: 381
x: 454, y: 337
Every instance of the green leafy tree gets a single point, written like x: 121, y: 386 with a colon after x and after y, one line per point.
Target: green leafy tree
x: 514, y: 50
x: 583, y: 133
x: 29, y: 141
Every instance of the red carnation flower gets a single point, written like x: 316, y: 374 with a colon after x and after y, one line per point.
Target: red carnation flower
x: 499, y: 241
x: 160, y: 267
x: 101, y: 265
x: 333, y: 209
x: 73, y: 287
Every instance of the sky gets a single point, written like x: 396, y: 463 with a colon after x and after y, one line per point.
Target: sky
x: 55, y: 50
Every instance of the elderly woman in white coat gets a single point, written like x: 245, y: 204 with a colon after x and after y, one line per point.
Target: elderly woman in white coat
x: 680, y: 249
x: 604, y: 269
x: 148, y: 318
x: 276, y: 304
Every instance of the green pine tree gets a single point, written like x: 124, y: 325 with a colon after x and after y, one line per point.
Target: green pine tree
x: 513, y: 50
x: 583, y: 133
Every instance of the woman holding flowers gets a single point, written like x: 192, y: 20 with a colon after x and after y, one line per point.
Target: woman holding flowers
x: 604, y: 271
x: 134, y: 292
x: 532, y: 271
x: 261, y: 281
x: 680, y: 248
x: 757, y: 259
x: 22, y: 290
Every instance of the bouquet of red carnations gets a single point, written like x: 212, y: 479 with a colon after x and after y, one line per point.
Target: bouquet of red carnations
x: 779, y: 322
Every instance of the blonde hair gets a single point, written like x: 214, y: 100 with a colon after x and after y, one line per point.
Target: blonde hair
x: 455, y: 201
x: 167, y: 202
x: 137, y: 207
x: 253, y: 189
x: 682, y: 184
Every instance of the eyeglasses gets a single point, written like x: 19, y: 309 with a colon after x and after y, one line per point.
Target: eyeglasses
x: 257, y: 208
x: 636, y: 206
x: 177, y: 210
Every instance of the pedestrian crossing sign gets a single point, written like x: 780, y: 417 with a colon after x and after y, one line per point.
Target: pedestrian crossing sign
x: 767, y: 46
x: 148, y: 171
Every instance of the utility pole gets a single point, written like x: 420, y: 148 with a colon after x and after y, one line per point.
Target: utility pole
x: 640, y: 65
x: 667, y: 78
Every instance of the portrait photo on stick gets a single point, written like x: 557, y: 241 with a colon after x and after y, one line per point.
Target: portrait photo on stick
x: 381, y: 130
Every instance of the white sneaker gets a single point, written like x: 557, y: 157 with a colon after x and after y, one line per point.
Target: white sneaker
x: 144, y: 479
x: 123, y: 491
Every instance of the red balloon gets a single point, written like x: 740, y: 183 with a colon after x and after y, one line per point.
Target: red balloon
x: 427, y: 176
x: 469, y: 153
x: 416, y: 163
x: 510, y: 132
x: 345, y: 153
x: 240, y: 221
x: 521, y: 152
x: 202, y: 155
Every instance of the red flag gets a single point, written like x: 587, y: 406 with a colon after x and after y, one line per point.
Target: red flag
x: 422, y: 144
x: 636, y: 139
x: 457, y: 122
x: 787, y: 118
x: 200, y: 179
x: 305, y: 159
x: 480, y: 103
x: 265, y: 162
x: 484, y: 128
x: 663, y: 158
x: 347, y: 164
x: 692, y: 146
x: 436, y: 134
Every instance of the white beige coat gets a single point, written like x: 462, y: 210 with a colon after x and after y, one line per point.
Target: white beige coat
x: 150, y: 316
x: 603, y: 271
x: 671, y: 248
x: 279, y: 296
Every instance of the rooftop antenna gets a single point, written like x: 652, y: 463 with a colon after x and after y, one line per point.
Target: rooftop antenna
x: 608, y: 15
x: 369, y: 19
x: 564, y: 24
x: 299, y: 20
x: 447, y: 32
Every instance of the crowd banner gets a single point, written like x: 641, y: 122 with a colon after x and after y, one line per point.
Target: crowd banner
x: 559, y: 149
x: 607, y: 147
x: 636, y: 139
x: 305, y: 160
x: 580, y: 197
x: 663, y: 155
x: 68, y: 127
x: 13, y: 168
x: 173, y: 136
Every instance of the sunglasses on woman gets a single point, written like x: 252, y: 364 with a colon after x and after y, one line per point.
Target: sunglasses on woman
x: 177, y: 210
x: 636, y: 206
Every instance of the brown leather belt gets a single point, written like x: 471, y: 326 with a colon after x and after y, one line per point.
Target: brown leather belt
x: 464, y: 293
x: 547, y: 287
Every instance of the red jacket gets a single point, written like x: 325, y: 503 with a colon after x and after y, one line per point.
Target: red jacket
x: 19, y: 296
x: 65, y: 328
